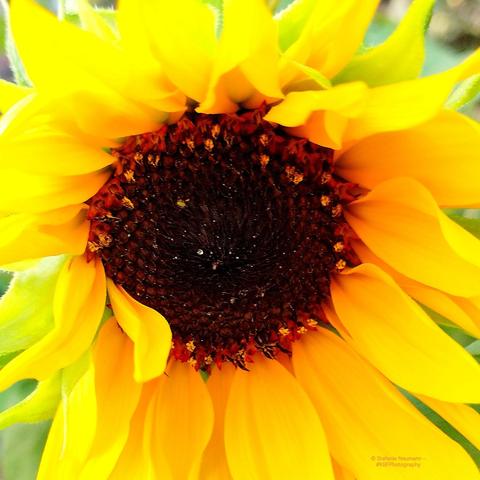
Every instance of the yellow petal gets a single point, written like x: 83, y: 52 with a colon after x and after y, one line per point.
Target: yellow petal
x: 93, y: 78
x: 37, y: 116
x: 244, y: 67
x: 471, y: 306
x: 135, y: 460
x: 26, y: 192
x: 181, y: 422
x: 390, y: 330
x: 97, y: 411
x: 36, y: 30
x: 93, y: 22
x: 25, y: 236
x: 366, y: 419
x: 117, y: 396
x: 313, y: 33
x: 330, y: 57
x: 340, y: 472
x: 109, y: 114
x: 464, y: 418
x: 51, y: 152
x: 320, y: 116
x: 323, y: 128
x: 80, y: 421
x: 214, y: 465
x: 271, y: 428
x: 442, y: 154
x: 135, y: 41
x: 182, y: 36
x: 11, y: 94
x: 79, y: 303
x: 406, y: 104
x: 148, y: 330
x: 72, y: 431
x: 297, y: 107
x: 401, y: 223
x: 134, y: 37
x: 400, y: 57
x: 53, y: 448
x: 461, y: 311
x: 299, y: 17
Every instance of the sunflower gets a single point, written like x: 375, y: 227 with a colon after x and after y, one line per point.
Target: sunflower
x: 262, y: 204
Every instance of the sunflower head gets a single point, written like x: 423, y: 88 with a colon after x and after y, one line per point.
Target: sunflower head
x: 234, y: 215
x: 229, y: 227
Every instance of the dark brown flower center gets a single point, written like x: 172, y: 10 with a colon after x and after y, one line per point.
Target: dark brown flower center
x: 228, y: 227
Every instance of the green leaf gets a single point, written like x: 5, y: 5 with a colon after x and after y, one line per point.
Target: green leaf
x: 470, y: 224
x: 16, y: 393
x: 22, y: 447
x: 40, y: 405
x: 457, y: 334
x: 440, y: 56
x: 400, y: 57
x: 26, y: 309
x: 443, y: 425
x: 451, y: 329
x: 16, y: 65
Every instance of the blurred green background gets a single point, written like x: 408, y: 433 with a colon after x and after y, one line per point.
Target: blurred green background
x: 454, y: 32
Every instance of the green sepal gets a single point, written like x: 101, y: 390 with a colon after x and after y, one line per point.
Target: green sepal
x: 51, y: 5
x: 107, y: 14
x: 110, y: 17
x: 465, y: 93
x: 72, y: 15
x: 71, y: 374
x: 400, y: 57
x: 40, y: 405
x: 5, y: 279
x: 16, y: 65
x: 292, y: 20
x: 474, y: 348
x: 26, y: 309
x: 313, y: 77
x: 7, y: 357
x: 217, y: 8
